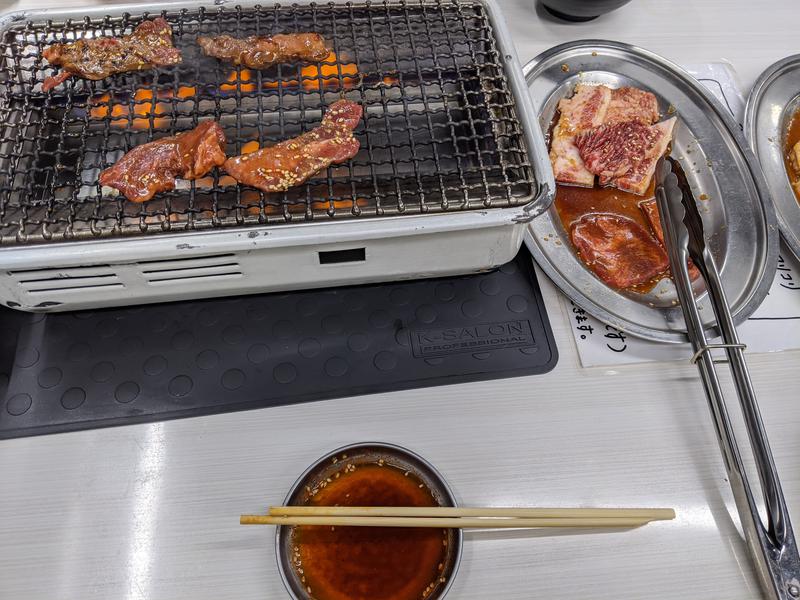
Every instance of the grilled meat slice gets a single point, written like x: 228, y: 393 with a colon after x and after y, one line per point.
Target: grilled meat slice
x: 260, y: 52
x: 150, y: 45
x: 291, y: 162
x: 153, y: 167
x: 618, y: 250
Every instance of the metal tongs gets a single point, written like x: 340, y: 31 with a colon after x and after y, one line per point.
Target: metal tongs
x: 773, y: 546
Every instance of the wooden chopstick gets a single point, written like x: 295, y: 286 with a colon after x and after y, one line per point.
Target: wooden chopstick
x: 444, y: 522
x: 464, y: 517
x: 650, y: 514
x: 491, y: 517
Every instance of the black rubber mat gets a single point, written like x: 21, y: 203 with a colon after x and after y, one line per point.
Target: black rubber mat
x: 81, y: 370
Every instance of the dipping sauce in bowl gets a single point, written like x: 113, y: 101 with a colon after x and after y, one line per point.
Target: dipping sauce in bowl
x: 369, y: 563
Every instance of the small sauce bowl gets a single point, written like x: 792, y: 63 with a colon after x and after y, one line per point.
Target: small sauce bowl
x: 378, y: 563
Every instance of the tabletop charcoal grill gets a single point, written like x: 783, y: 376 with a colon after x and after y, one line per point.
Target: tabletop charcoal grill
x: 451, y: 167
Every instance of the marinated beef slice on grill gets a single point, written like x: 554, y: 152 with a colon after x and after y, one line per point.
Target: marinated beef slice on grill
x: 619, y: 251
x: 291, y: 162
x: 150, y: 45
x: 153, y: 167
x: 260, y: 52
x: 608, y: 133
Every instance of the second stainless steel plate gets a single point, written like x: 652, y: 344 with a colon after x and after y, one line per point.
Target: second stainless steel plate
x: 738, y: 213
x: 773, y: 100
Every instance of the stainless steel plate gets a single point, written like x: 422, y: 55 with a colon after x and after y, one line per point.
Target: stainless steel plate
x: 738, y: 212
x: 772, y: 102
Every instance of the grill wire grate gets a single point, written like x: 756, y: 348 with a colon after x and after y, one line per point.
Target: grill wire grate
x: 439, y: 131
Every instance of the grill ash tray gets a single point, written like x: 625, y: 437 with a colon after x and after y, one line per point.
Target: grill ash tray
x: 82, y: 370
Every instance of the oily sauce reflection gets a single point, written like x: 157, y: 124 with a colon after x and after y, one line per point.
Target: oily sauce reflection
x: 371, y: 563
x: 792, y: 138
x: 572, y: 203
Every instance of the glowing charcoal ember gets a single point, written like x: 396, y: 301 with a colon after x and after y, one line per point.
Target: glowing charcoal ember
x: 143, y: 107
x: 239, y: 81
x: 249, y: 147
x: 103, y: 108
x: 330, y: 74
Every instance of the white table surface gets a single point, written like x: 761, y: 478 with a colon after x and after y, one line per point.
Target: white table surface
x: 151, y: 511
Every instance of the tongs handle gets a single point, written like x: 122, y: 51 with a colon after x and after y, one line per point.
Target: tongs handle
x: 773, y: 497
x: 777, y: 538
x: 773, y: 547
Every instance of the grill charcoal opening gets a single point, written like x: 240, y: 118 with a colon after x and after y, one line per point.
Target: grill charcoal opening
x: 439, y: 132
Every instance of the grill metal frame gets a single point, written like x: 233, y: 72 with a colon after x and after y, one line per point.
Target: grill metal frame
x: 414, y: 199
